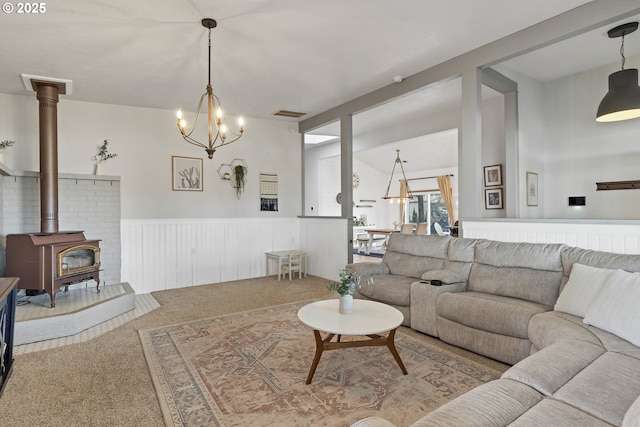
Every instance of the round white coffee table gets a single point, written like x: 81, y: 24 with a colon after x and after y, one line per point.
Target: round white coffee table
x: 369, y: 318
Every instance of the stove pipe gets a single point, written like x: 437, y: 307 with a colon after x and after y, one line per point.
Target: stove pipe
x: 47, y: 95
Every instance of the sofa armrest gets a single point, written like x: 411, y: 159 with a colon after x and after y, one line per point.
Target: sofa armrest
x: 368, y: 268
x: 447, y: 277
x: 423, y: 305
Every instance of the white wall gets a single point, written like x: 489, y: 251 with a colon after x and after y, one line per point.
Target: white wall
x: 145, y: 139
x: 560, y: 140
x: 580, y: 151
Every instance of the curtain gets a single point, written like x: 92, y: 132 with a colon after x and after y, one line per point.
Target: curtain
x: 403, y: 195
x: 444, y: 184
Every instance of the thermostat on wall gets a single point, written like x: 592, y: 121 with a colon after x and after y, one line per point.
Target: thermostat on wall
x: 577, y: 201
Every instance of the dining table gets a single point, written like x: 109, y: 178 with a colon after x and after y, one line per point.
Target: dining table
x: 372, y: 232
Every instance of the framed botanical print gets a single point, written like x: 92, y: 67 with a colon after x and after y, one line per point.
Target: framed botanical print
x: 186, y: 173
x: 492, y: 175
x: 493, y: 198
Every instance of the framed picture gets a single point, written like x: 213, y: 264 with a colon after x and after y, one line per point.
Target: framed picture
x: 493, y: 198
x: 186, y: 173
x: 492, y: 175
x: 532, y: 189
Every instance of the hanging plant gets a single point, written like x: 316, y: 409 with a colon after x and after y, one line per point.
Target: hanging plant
x: 239, y: 179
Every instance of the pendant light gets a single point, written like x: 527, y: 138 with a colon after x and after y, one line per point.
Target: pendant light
x: 409, y: 195
x: 218, y: 132
x: 622, y: 102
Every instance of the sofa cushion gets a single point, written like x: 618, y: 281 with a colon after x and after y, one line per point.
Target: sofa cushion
x: 632, y: 417
x: 606, y: 388
x: 460, y: 256
x: 527, y: 271
x: 617, y: 307
x: 411, y: 255
x: 496, y: 403
x: 584, y: 285
x: 545, y: 329
x: 551, y: 412
x: 492, y: 313
x: 390, y: 289
x: 504, y: 348
x: 597, y: 259
x: 552, y: 367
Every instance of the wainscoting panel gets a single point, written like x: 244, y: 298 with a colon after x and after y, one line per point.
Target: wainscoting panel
x: 610, y: 236
x: 167, y: 254
x: 325, y: 240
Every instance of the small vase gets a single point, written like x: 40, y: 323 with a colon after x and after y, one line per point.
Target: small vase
x: 346, y: 304
x: 96, y: 171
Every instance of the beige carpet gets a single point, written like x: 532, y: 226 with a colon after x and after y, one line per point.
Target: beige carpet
x: 250, y: 369
x: 106, y: 381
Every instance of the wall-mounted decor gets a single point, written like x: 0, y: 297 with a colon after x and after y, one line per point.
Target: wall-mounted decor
x: 186, y: 173
x: 618, y: 185
x: 493, y: 198
x: 492, y: 175
x: 268, y: 192
x: 532, y: 189
x: 236, y: 173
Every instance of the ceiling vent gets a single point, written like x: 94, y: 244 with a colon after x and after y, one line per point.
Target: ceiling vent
x: 288, y: 113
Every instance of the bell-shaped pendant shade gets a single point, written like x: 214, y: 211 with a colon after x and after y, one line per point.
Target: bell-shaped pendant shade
x: 622, y: 102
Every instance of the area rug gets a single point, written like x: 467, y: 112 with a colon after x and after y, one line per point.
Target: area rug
x: 249, y: 369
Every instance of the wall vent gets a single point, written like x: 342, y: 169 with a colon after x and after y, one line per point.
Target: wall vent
x: 289, y: 113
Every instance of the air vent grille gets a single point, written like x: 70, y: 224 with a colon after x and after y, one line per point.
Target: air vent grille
x: 289, y: 113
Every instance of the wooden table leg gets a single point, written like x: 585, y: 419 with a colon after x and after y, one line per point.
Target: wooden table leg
x: 316, y: 358
x: 392, y: 348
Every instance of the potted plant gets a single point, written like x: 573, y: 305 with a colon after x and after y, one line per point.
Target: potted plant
x: 346, y: 287
x: 5, y: 144
x: 102, y: 156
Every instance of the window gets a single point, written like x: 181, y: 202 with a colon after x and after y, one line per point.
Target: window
x: 428, y: 207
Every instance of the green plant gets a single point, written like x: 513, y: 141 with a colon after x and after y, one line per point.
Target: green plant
x: 6, y: 144
x: 239, y: 177
x: 103, y: 153
x: 347, y: 284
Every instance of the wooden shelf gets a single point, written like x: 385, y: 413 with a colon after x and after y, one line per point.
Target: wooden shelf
x: 618, y: 185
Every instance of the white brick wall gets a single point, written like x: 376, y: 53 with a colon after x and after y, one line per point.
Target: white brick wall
x: 85, y: 202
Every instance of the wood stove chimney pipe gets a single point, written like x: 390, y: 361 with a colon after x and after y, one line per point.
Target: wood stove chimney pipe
x: 47, y: 94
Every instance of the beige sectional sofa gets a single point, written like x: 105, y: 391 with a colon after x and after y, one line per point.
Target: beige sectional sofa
x: 524, y: 304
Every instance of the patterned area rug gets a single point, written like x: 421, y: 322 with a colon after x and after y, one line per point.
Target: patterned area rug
x: 249, y: 369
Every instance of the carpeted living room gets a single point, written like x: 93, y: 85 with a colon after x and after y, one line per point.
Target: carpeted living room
x: 144, y: 225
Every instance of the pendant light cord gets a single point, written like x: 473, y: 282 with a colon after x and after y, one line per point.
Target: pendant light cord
x: 622, y: 52
x: 210, y: 55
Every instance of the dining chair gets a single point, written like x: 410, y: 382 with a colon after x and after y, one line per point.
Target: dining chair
x: 439, y: 229
x: 294, y: 264
x: 406, y: 229
x: 422, y: 228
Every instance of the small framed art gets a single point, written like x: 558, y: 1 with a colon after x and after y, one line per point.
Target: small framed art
x: 493, y: 198
x: 186, y: 173
x: 492, y: 175
x: 532, y: 189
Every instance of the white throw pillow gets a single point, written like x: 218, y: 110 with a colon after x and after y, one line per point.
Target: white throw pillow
x: 616, y: 309
x: 584, y: 285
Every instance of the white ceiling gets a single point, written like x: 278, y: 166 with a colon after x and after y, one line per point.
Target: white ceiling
x: 267, y: 55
